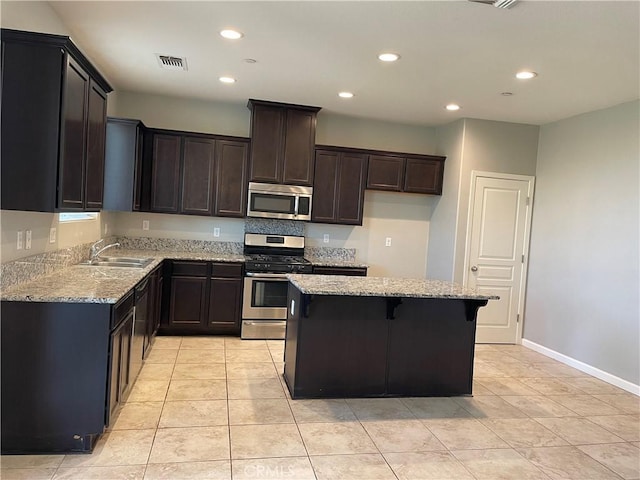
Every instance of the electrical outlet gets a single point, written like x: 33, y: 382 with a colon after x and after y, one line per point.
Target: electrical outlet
x: 52, y: 235
x: 19, y: 243
x: 27, y: 240
x: 325, y: 238
x: 145, y: 224
x: 216, y: 231
x: 387, y: 242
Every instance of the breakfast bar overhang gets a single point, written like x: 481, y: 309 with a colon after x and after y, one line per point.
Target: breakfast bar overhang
x: 379, y: 337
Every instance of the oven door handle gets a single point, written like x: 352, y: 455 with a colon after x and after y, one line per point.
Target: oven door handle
x: 296, y: 206
x: 282, y: 276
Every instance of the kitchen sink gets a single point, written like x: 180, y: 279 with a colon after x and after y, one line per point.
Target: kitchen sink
x: 130, y: 262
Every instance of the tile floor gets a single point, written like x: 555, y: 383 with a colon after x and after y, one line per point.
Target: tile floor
x: 216, y: 408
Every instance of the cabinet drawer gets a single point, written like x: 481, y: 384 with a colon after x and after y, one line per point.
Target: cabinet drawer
x: 121, y: 309
x: 229, y: 270
x: 352, y: 271
x: 194, y: 269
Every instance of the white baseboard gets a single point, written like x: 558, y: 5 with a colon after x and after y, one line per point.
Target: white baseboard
x: 583, y: 367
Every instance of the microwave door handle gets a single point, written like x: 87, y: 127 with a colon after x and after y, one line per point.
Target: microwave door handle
x: 295, y: 207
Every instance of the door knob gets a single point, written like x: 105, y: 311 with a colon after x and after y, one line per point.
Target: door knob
x: 474, y: 269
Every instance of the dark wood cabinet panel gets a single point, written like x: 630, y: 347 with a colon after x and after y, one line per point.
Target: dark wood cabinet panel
x: 224, y: 304
x: 188, y: 301
x: 338, y: 192
x: 96, y: 133
x: 424, y: 176
x: 299, y: 143
x: 123, y: 164
x: 267, y: 132
x: 325, y: 187
x: 385, y: 173
x: 197, y: 176
x: 165, y: 173
x: 351, y: 271
x: 72, y: 158
x: 282, y: 142
x: 231, y: 178
x: 204, y: 298
x: 51, y: 125
x: 351, y: 186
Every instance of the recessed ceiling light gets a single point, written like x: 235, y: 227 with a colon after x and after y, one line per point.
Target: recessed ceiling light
x: 227, y: 79
x: 452, y: 107
x: 345, y: 95
x: 231, y: 34
x: 526, y: 75
x: 388, y: 57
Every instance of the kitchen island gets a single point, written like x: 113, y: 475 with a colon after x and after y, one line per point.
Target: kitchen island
x: 377, y: 337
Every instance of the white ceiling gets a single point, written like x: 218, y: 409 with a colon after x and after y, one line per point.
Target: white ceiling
x: 587, y: 54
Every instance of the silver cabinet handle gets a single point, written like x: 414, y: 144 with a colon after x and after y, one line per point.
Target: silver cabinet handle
x: 474, y: 269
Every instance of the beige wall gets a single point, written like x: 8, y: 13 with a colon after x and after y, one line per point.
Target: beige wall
x: 32, y: 16
x: 403, y: 217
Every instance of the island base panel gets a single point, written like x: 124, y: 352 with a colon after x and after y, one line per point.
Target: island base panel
x: 351, y: 346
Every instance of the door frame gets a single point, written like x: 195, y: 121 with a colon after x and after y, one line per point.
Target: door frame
x: 530, y: 179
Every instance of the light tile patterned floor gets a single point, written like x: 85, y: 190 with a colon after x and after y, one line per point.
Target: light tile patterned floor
x: 216, y: 408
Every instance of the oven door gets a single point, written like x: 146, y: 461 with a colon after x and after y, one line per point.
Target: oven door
x: 265, y: 296
x: 264, y: 311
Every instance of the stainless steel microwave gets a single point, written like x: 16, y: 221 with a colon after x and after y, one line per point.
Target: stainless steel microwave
x: 291, y: 202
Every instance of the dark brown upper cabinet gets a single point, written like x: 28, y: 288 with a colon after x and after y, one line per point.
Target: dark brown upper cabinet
x: 165, y: 173
x: 282, y: 142
x: 338, y: 190
x: 53, y: 125
x: 197, y: 174
x: 231, y: 178
x: 123, y: 164
x: 386, y: 172
x: 406, y: 173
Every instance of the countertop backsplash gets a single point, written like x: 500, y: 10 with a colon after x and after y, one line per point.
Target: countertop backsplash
x: 181, y: 245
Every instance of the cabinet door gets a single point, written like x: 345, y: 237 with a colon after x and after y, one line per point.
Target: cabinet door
x: 126, y: 338
x: 299, y: 142
x: 267, y: 138
x: 114, y: 377
x: 224, y: 304
x: 386, y: 172
x: 188, y: 301
x: 424, y: 176
x: 350, y: 194
x: 74, y: 135
x: 231, y: 179
x: 325, y: 187
x: 165, y: 173
x: 96, y: 131
x: 197, y: 176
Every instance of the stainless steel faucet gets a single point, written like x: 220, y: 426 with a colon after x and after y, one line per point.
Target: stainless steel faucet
x: 95, y: 252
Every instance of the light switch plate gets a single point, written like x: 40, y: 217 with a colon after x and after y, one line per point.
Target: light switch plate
x: 19, y: 241
x: 52, y: 235
x: 27, y: 240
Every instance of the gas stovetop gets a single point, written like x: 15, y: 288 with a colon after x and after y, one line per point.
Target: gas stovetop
x: 275, y: 254
x: 277, y: 264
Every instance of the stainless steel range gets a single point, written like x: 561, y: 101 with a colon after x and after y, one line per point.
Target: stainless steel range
x: 264, y: 305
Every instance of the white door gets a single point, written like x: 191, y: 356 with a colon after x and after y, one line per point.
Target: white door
x: 497, y: 252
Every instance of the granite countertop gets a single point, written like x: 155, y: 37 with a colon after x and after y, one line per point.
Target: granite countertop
x: 383, y: 287
x: 89, y: 284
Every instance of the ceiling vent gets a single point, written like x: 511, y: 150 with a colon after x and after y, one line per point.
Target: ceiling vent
x: 497, y: 3
x: 169, y: 62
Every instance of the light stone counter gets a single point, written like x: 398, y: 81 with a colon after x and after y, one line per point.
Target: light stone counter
x: 383, y: 287
x: 89, y: 284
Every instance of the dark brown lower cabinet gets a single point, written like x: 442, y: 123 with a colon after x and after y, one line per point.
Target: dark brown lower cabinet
x: 121, y: 341
x: 204, y: 298
x: 354, y: 346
